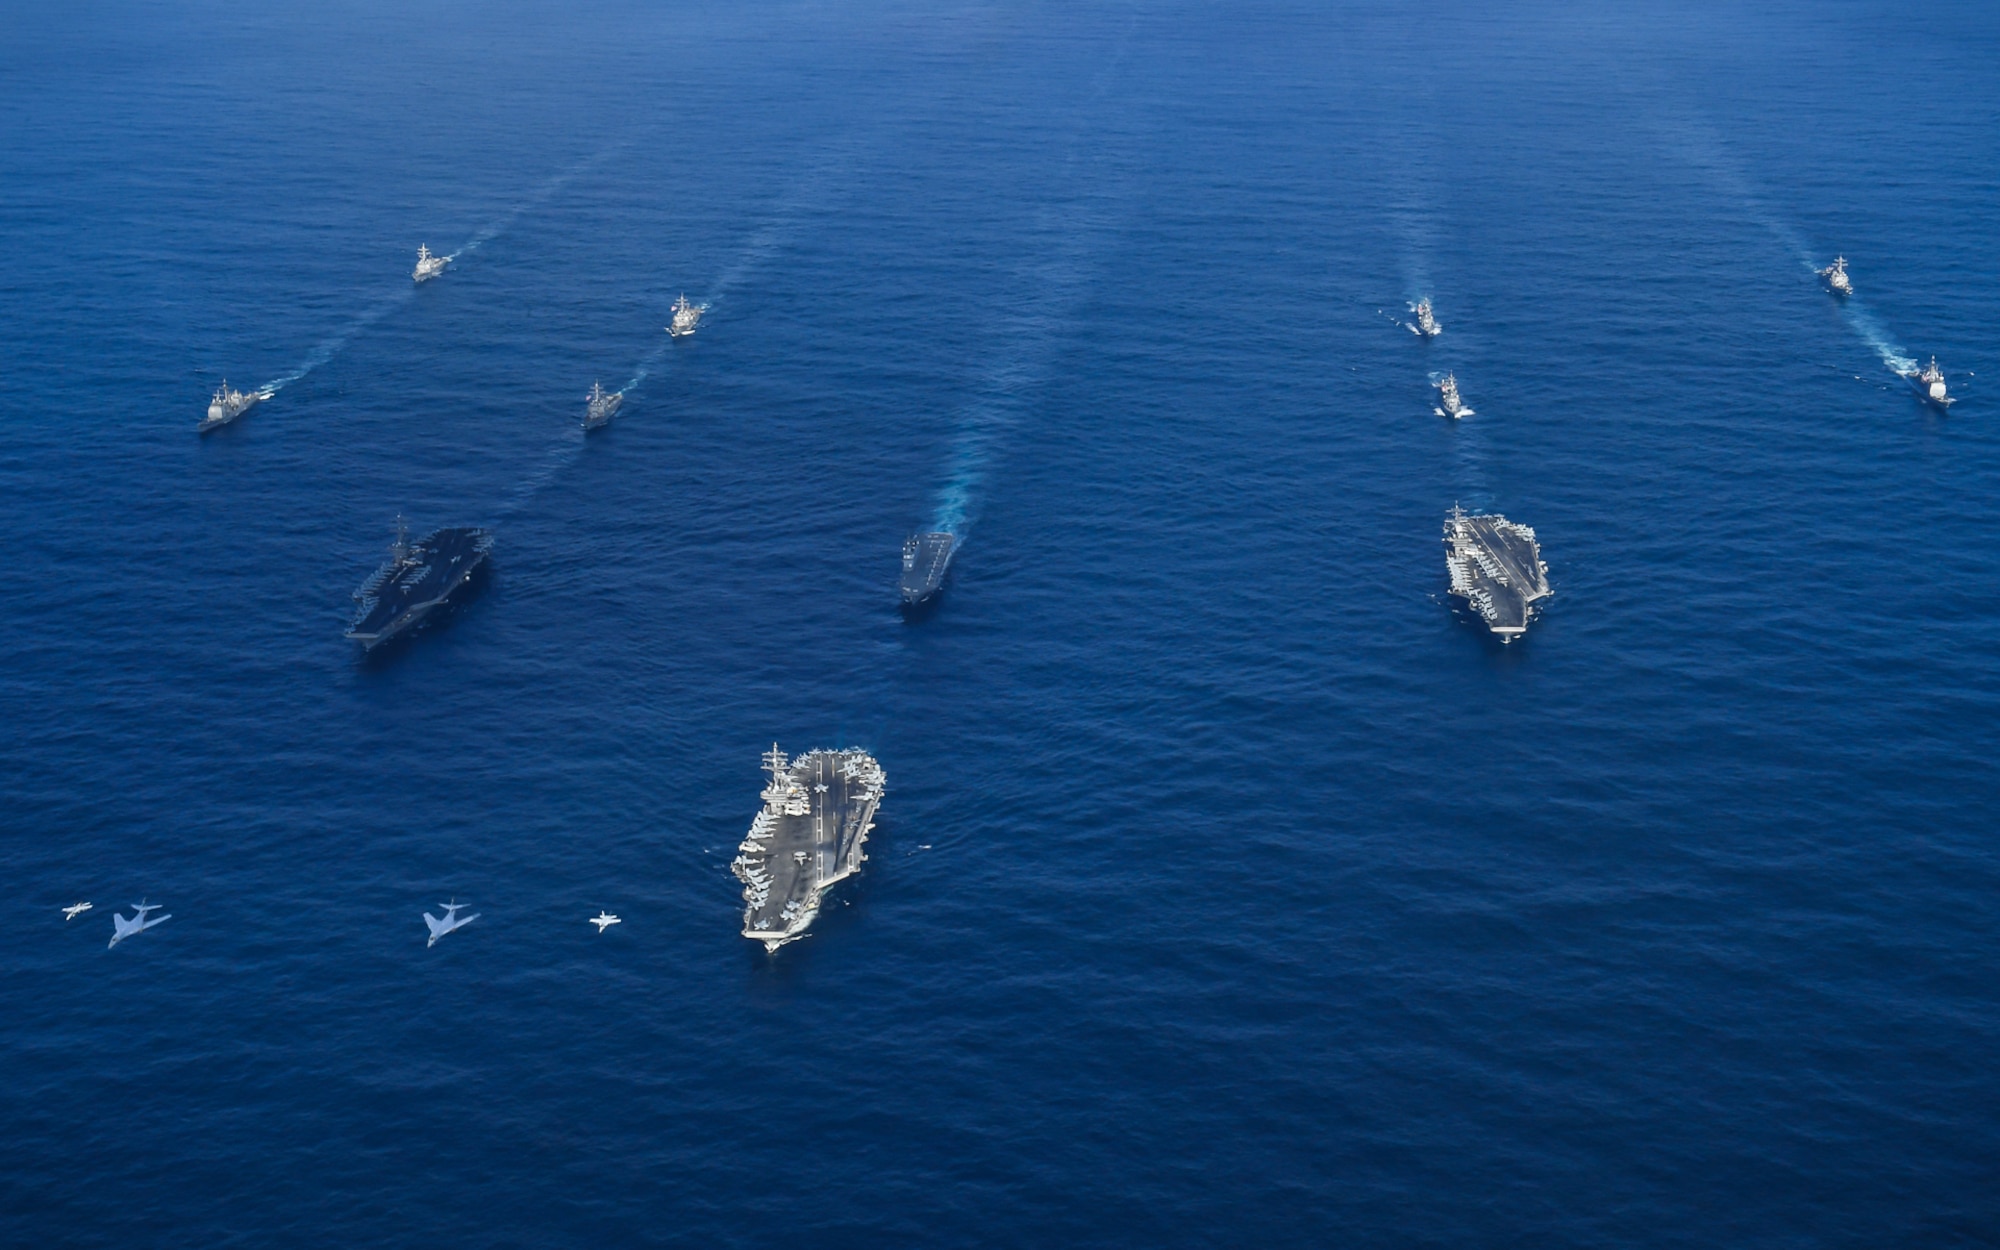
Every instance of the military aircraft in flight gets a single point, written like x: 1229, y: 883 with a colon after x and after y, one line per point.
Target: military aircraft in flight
x: 451, y: 920
x: 122, y: 928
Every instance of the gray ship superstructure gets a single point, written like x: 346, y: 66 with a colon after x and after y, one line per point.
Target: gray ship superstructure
x: 415, y: 580
x: 227, y: 405
x: 1496, y: 567
x: 1449, y: 402
x: 1427, y: 326
x: 1836, y: 277
x: 600, y: 406
x: 428, y: 266
x: 925, y: 559
x: 818, y: 810
x: 1928, y: 382
x: 687, y: 318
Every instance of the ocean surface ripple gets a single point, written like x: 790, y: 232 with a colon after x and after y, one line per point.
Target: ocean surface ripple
x: 1231, y: 888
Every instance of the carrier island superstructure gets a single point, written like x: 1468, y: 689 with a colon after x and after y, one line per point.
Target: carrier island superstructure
x: 1496, y: 567
x: 415, y: 580
x: 818, y: 810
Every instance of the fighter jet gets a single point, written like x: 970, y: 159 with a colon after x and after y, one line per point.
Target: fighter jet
x: 74, y: 910
x: 122, y: 928
x: 450, y: 921
x: 603, y: 920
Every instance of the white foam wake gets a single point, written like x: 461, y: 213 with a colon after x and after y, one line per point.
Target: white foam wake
x: 333, y: 346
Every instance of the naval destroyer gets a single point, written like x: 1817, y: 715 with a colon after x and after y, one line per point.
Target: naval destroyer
x: 600, y: 406
x: 1427, y: 326
x: 686, y: 317
x: 1496, y: 567
x: 818, y: 810
x: 428, y: 266
x: 1928, y: 382
x: 925, y: 558
x: 416, y: 578
x: 227, y: 405
x: 1836, y: 277
x: 1449, y: 403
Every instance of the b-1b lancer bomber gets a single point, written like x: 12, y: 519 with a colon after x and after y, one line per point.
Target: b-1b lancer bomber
x: 1496, y: 567
x: 439, y: 926
x: 416, y: 578
x: 122, y: 928
x: 818, y: 810
x: 925, y: 559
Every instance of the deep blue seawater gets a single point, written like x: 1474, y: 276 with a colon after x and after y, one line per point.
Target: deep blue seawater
x: 1231, y: 889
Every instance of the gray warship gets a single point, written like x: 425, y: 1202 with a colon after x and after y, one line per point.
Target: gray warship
x: 600, y: 406
x: 1836, y: 277
x: 227, y: 405
x: 1450, y: 403
x: 428, y: 266
x: 1427, y: 326
x: 925, y: 559
x: 1496, y: 567
x: 818, y: 810
x: 416, y: 578
x: 1928, y: 383
x: 687, y: 317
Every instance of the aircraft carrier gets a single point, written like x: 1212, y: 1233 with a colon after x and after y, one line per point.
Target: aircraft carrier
x: 817, y: 812
x: 416, y: 578
x: 1496, y: 567
x: 925, y: 559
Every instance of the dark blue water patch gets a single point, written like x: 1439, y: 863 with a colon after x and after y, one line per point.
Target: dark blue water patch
x: 1232, y: 886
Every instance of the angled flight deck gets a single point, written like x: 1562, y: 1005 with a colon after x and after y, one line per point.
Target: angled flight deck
x: 818, y: 810
x: 1496, y: 567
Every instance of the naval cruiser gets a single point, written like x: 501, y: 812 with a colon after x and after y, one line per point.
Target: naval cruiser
x: 428, y: 266
x: 416, y: 578
x: 1496, y: 567
x: 1836, y: 277
x: 818, y: 810
x: 227, y: 405
x: 686, y: 317
x: 1449, y: 404
x: 600, y: 406
x: 1929, y: 385
x: 1427, y: 326
x: 925, y: 558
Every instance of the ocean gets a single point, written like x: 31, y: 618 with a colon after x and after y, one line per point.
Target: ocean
x: 1233, y: 886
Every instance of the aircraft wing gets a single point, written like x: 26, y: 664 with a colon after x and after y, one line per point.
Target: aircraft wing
x: 437, y: 926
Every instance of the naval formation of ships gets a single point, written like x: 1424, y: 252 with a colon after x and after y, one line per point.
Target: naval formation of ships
x: 819, y: 808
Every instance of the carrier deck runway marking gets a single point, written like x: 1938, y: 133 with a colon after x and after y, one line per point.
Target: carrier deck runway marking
x: 818, y: 810
x: 1496, y: 567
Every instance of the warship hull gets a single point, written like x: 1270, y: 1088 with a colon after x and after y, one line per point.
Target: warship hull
x: 809, y: 835
x: 220, y: 416
x: 416, y: 582
x: 1496, y: 568
x: 1934, y: 398
x: 926, y: 557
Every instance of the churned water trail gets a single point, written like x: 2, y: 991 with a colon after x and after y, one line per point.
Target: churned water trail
x: 332, y: 346
x: 1695, y: 141
x: 536, y: 199
x: 766, y: 242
